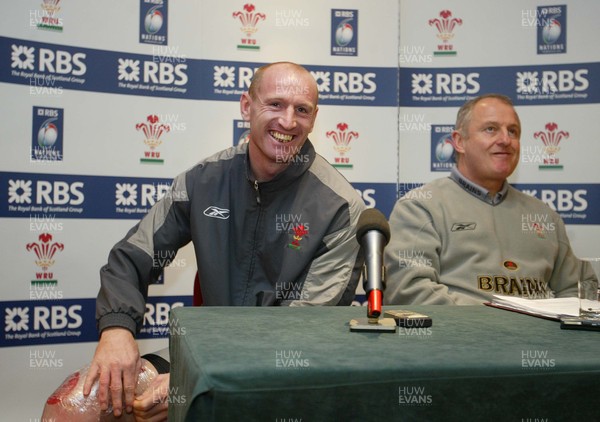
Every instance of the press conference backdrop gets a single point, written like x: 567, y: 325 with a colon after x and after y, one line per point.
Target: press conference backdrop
x: 103, y: 103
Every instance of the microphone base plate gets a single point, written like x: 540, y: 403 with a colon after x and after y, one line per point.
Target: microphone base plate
x: 373, y: 325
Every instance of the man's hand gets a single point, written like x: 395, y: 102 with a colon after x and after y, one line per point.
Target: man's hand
x: 152, y: 405
x: 116, y: 365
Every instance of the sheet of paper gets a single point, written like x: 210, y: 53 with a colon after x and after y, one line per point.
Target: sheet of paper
x: 550, y: 308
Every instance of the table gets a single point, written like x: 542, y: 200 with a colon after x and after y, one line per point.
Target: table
x: 474, y: 363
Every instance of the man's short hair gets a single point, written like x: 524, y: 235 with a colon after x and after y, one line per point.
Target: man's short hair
x: 463, y: 117
x: 258, y: 75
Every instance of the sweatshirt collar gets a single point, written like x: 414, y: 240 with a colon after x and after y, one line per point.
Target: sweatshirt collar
x: 478, y: 191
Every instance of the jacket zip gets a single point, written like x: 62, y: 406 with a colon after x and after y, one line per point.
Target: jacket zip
x: 253, y: 252
x: 257, y: 192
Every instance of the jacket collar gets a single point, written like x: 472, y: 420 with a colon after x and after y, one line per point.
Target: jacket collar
x: 301, y: 163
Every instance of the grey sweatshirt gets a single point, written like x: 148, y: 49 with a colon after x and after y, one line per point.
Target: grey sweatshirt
x: 452, y: 243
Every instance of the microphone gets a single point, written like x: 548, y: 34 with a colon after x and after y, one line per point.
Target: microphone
x: 373, y: 233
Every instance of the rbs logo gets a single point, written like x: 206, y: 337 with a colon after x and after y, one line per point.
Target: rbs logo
x: 158, y: 314
x: 45, y: 192
x: 147, y: 195
x: 445, y: 83
x: 327, y: 82
x: 161, y: 73
x: 62, y: 62
x: 56, y: 317
x: 59, y: 193
x: 562, y: 200
x: 165, y: 73
x: 457, y: 83
x: 565, y: 81
x: 354, y: 82
x: 52, y: 61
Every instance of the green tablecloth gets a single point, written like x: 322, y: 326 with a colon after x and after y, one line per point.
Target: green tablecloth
x: 474, y: 363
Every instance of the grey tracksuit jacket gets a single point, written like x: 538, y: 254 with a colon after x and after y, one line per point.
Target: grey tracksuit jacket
x: 289, y: 241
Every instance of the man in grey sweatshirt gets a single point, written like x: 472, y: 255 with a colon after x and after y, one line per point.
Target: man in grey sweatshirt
x: 461, y: 239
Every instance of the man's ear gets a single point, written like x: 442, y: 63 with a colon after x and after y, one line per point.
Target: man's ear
x: 458, y: 142
x: 314, y: 119
x: 245, y: 102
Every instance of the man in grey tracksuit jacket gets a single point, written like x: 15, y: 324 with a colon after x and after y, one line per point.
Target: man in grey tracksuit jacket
x: 271, y: 221
x: 288, y: 241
